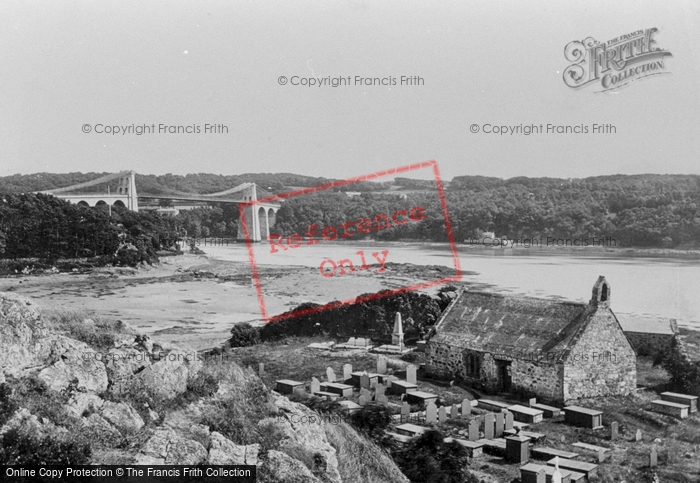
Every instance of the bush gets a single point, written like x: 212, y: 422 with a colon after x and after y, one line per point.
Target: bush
x: 7, y: 405
x: 244, y: 335
x: 685, y: 373
x: 27, y: 449
x: 429, y: 458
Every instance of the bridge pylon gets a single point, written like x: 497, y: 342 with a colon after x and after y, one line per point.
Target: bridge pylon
x: 127, y: 186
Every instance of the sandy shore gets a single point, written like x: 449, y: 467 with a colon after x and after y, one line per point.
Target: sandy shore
x: 193, y: 300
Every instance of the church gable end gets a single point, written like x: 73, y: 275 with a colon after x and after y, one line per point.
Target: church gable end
x: 601, y: 361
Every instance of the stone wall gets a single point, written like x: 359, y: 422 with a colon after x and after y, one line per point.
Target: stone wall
x: 444, y: 360
x: 542, y: 379
x: 602, y: 362
x: 647, y: 344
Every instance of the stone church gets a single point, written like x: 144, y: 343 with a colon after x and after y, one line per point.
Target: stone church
x: 557, y: 351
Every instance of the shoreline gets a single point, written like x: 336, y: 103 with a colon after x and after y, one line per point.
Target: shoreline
x: 195, y: 299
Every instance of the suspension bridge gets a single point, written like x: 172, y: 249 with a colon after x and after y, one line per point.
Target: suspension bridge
x: 259, y: 216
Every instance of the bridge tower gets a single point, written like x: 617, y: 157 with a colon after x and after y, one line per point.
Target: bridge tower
x: 259, y: 217
x: 127, y: 186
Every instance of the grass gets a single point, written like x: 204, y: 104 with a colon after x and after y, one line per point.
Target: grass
x: 358, y: 459
x: 100, y: 335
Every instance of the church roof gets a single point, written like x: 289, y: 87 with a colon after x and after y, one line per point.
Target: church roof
x: 496, y: 323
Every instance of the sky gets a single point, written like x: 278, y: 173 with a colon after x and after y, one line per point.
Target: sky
x: 70, y: 66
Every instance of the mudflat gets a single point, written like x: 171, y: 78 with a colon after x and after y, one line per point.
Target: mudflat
x: 193, y: 300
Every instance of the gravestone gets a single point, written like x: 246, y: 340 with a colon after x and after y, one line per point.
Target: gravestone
x: 373, y: 382
x: 509, y: 421
x: 601, y: 455
x: 405, y: 412
x: 442, y: 415
x: 466, y: 408
x: 330, y: 374
x: 347, y: 372
x: 352, y: 341
x: 541, y: 476
x: 389, y: 380
x: 638, y: 436
x: 474, y: 429
x: 431, y: 413
x: 653, y: 458
x: 499, y: 424
x: 563, y: 439
x: 381, y: 365
x: 454, y: 413
x: 382, y: 399
x: 614, y: 431
x: 360, y: 342
x: 315, y: 385
x: 366, y: 394
x: 489, y: 420
x: 362, y: 401
x: 261, y: 369
x: 299, y: 391
x: 380, y: 391
x: 532, y: 402
x: 364, y: 381
x: 411, y: 374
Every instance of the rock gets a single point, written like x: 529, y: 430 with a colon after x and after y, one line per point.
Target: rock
x: 143, y: 342
x: 122, y: 326
x: 153, y: 416
x: 222, y: 451
x: 281, y: 467
x: 122, y: 416
x: 27, y: 423
x: 122, y: 364
x: 71, y: 360
x: 173, y: 449
x: 168, y: 376
x: 100, y: 433
x: 310, y: 437
x: 89, y: 322
x: 21, y: 328
x: 81, y: 402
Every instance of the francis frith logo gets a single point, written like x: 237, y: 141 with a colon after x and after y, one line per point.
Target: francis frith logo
x: 614, y: 64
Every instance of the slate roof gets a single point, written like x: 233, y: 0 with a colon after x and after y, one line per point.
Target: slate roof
x: 494, y: 322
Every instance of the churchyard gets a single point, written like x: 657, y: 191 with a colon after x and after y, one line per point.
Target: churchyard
x: 625, y: 439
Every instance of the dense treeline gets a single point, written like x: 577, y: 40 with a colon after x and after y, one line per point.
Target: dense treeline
x: 45, y: 227
x: 639, y: 210
x: 644, y: 210
x: 372, y: 315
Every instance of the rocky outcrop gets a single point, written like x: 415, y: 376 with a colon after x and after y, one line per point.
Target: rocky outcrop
x: 100, y: 433
x: 70, y: 360
x: 222, y: 451
x: 282, y: 468
x: 122, y: 416
x: 81, y: 402
x: 306, y: 438
x: 124, y: 362
x: 26, y: 423
x: 20, y: 330
x: 167, y: 377
x: 167, y: 447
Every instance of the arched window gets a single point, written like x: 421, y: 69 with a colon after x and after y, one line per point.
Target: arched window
x: 604, y: 292
x: 473, y: 365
